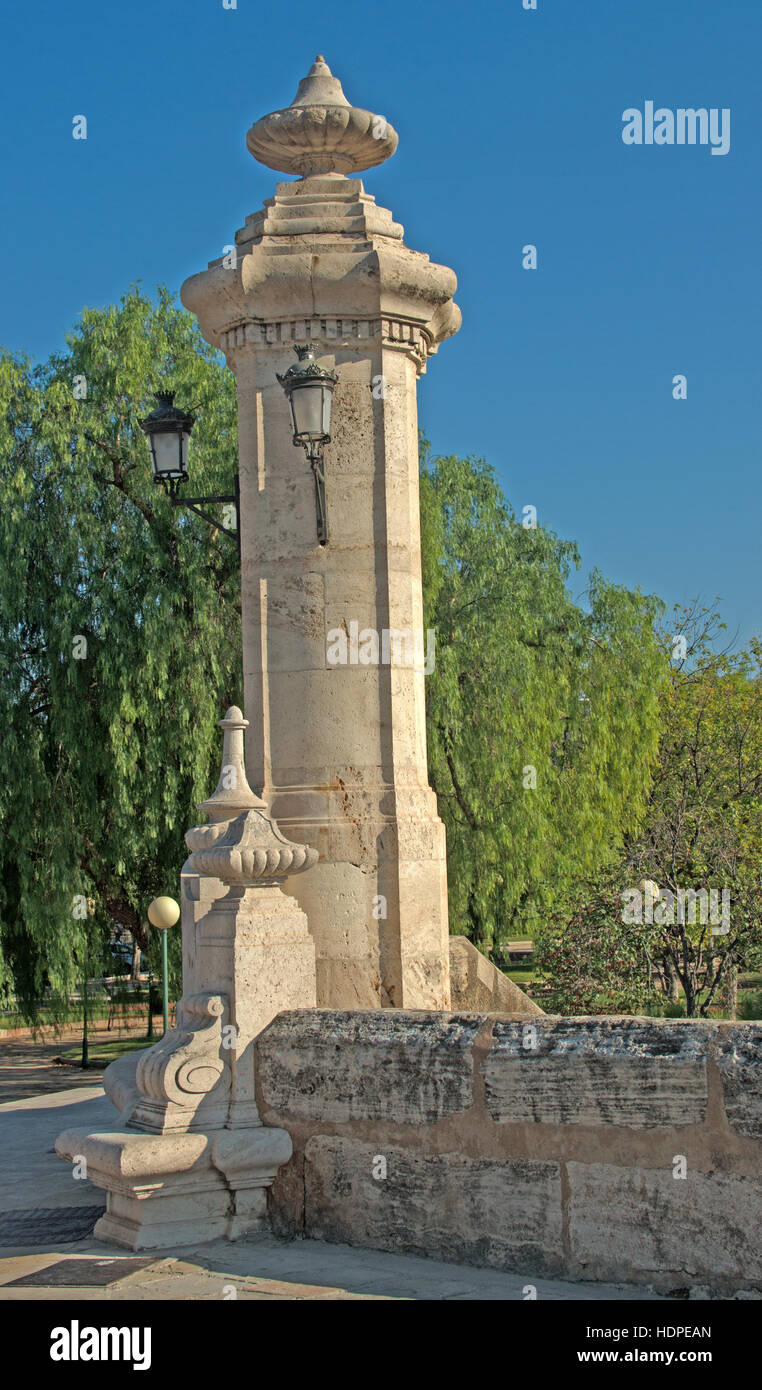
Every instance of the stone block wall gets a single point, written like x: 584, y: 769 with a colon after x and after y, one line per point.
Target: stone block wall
x: 544, y: 1145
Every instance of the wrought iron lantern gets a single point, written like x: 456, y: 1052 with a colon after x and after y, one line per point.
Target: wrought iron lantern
x: 309, y: 389
x: 168, y: 431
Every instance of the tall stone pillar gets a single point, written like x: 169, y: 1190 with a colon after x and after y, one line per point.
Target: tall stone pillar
x: 333, y: 641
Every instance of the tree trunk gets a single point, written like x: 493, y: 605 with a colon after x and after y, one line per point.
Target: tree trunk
x: 670, y: 981
x: 691, y: 998
x: 728, y: 999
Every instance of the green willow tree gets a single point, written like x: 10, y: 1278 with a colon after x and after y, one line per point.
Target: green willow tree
x: 119, y: 635
x: 542, y: 715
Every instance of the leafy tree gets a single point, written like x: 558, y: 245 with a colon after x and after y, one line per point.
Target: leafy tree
x: 701, y: 837
x: 119, y: 634
x: 590, y: 960
x: 703, y: 831
x: 542, y: 715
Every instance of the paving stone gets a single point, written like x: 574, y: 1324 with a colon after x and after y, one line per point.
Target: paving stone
x: 48, y: 1225
x: 82, y: 1273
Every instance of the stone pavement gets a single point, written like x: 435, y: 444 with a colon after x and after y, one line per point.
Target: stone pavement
x: 28, y: 1067
x: 45, y: 1215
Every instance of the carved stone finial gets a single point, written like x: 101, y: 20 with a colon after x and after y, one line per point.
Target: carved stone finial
x: 242, y: 846
x: 233, y: 793
x: 320, y: 132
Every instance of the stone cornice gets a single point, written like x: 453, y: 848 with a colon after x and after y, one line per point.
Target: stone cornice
x: 327, y: 254
x: 329, y: 332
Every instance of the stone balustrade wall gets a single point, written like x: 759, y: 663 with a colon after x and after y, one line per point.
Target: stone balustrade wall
x: 544, y: 1145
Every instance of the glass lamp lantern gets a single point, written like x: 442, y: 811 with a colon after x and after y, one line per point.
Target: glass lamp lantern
x: 168, y: 431
x: 309, y: 389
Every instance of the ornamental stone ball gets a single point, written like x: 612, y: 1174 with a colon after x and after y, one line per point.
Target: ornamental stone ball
x: 242, y: 845
x: 320, y: 132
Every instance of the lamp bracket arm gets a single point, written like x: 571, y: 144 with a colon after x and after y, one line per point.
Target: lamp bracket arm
x: 218, y: 526
x: 186, y: 501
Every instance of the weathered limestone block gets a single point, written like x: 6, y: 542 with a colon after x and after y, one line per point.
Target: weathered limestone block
x: 477, y: 985
x: 673, y: 1230
x: 255, y: 946
x: 249, y: 1160
x: 446, y: 1206
x: 197, y: 894
x: 160, y: 1189
x: 474, y: 1115
x: 740, y: 1066
x: 635, y: 1072
x: 411, y: 1068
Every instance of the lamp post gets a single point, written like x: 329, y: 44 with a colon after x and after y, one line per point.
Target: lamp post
x: 85, y: 1049
x: 168, y: 431
x: 163, y: 913
x: 309, y: 389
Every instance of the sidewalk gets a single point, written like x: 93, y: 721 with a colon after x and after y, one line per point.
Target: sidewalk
x: 46, y: 1251
x: 28, y: 1068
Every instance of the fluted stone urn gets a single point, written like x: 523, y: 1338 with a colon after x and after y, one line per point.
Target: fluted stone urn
x: 320, y: 132
x: 252, y: 852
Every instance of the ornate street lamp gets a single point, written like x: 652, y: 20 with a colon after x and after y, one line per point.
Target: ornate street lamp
x: 163, y: 913
x: 309, y: 389
x: 168, y: 431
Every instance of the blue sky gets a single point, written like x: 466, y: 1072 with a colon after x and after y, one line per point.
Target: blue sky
x: 510, y: 128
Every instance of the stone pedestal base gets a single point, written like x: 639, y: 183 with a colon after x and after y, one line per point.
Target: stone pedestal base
x: 376, y: 901
x: 168, y: 1190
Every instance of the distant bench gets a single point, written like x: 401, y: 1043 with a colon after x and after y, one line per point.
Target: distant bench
x: 518, y: 948
x: 121, y: 1011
